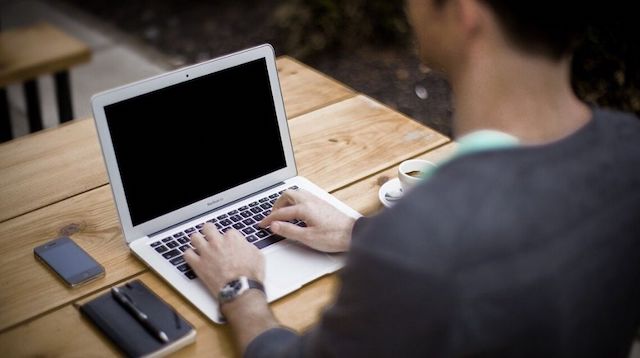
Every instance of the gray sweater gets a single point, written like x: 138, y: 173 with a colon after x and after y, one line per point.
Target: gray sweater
x: 523, y: 252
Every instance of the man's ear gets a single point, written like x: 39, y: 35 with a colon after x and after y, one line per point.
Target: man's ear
x: 470, y: 15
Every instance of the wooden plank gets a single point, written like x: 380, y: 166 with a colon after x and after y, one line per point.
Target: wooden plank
x: 363, y: 195
x: 49, y: 166
x: 41, y: 337
x: 32, y: 51
x: 54, y: 164
x: 28, y: 288
x: 352, y: 139
x: 305, y: 89
x: 63, y: 333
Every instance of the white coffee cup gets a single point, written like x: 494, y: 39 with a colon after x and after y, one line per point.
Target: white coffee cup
x: 412, y: 171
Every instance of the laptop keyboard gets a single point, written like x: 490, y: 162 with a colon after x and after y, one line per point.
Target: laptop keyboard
x: 245, y: 219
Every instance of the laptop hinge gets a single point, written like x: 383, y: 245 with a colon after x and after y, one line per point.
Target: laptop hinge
x: 257, y: 193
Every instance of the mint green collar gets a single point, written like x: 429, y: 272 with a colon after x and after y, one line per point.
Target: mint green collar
x: 485, y: 139
x: 478, y: 141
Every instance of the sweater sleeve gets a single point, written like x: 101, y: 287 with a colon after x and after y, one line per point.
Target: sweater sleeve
x: 378, y: 295
x: 276, y: 342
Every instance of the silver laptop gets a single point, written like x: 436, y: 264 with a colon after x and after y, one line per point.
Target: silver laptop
x: 206, y: 143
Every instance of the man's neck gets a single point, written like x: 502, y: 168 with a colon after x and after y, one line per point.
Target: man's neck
x: 528, y: 97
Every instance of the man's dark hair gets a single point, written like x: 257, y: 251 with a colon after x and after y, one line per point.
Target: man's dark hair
x: 547, y: 27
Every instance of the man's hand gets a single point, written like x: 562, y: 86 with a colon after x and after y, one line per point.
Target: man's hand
x: 221, y: 259
x: 328, y: 229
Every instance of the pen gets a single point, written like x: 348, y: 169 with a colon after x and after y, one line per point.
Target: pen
x: 139, y: 315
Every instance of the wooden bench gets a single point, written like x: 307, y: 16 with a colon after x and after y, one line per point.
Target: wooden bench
x: 29, y: 52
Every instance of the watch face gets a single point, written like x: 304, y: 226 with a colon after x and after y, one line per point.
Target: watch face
x: 230, y: 290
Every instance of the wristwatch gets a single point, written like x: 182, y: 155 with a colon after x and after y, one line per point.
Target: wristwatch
x: 237, y: 287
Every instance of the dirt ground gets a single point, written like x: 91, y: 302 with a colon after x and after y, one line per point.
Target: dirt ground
x: 206, y: 29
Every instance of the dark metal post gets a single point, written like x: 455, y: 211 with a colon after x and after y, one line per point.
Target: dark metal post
x: 5, y: 117
x: 33, y: 105
x: 63, y: 95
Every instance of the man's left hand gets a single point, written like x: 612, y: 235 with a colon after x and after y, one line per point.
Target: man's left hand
x: 223, y: 258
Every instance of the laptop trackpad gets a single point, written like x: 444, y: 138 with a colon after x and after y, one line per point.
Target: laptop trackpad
x: 291, y: 265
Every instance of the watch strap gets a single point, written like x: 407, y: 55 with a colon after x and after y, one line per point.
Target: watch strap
x: 235, y: 288
x: 257, y: 285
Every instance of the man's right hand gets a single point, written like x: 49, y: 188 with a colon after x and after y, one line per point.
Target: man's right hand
x: 328, y: 229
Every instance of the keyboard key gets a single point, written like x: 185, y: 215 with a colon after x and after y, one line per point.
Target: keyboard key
x: 226, y: 229
x: 184, y: 248
x: 226, y: 222
x: 238, y: 226
x: 167, y: 239
x: 273, y: 196
x: 156, y: 244
x: 177, y: 261
x: 248, y: 221
x: 218, y: 226
x: 265, y: 206
x: 262, y: 234
x: 248, y: 230
x: 253, y: 204
x: 180, y: 234
x: 268, y: 241
x: 190, y: 275
x: 171, y: 254
x: 213, y: 221
x: 258, y: 217
x: 272, y: 202
x: 246, y: 214
x: 172, y: 244
x: 263, y: 200
x: 266, y: 213
x: 199, y: 226
x: 236, y: 218
x: 161, y: 249
x: 184, y: 267
x: 190, y: 230
x: 251, y: 238
x: 295, y: 187
x: 222, y: 217
x: 243, y: 208
x: 232, y: 212
x: 183, y: 240
x: 256, y: 210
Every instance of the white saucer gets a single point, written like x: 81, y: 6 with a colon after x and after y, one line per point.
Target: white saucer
x: 392, y: 186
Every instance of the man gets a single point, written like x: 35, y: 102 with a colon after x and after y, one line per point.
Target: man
x: 529, y: 251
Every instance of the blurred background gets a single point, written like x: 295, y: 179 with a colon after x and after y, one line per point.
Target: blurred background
x: 366, y: 44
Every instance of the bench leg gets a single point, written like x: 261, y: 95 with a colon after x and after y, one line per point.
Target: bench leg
x: 63, y: 96
x: 33, y: 105
x: 5, y: 117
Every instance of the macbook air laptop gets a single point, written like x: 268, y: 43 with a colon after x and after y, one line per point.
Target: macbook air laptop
x: 206, y: 143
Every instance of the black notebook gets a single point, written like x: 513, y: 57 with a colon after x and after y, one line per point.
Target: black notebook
x: 128, y: 334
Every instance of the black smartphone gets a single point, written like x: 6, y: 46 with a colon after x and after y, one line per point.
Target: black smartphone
x: 69, y: 261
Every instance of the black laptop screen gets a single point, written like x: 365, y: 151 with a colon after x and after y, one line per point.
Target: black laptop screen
x: 184, y: 143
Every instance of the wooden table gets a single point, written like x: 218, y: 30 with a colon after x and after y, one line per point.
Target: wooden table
x: 54, y: 182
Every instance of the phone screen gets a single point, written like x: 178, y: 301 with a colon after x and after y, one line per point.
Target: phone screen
x: 69, y: 260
